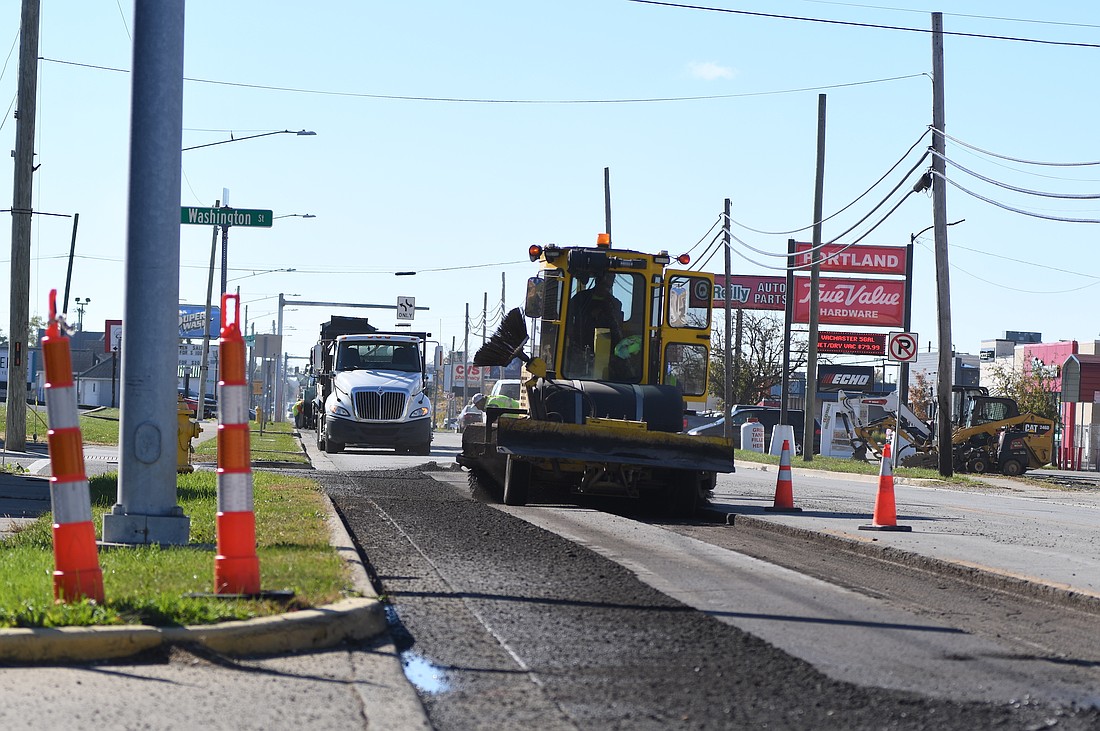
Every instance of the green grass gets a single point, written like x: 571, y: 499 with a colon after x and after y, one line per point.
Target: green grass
x: 277, y: 443
x: 848, y: 466
x: 149, y: 584
x: 99, y: 426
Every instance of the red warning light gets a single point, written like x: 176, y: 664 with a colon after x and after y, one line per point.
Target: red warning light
x: 534, y: 251
x: 684, y: 259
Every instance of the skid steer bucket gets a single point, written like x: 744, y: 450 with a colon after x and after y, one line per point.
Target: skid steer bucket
x: 613, y: 441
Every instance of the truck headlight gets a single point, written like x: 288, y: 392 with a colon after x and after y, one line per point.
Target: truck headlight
x: 339, y: 410
x: 417, y: 413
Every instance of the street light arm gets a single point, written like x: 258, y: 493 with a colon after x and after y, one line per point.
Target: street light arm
x: 300, y: 133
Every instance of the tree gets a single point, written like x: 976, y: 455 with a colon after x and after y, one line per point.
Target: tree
x: 760, y: 360
x: 920, y: 394
x: 1032, y: 387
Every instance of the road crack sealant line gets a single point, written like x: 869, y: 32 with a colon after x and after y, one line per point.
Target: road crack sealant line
x: 984, y: 576
x: 352, y: 619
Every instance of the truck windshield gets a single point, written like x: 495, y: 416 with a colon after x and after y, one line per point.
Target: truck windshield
x: 378, y: 356
x: 604, y: 327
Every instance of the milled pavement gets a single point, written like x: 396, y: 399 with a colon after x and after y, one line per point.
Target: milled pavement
x: 23, y: 497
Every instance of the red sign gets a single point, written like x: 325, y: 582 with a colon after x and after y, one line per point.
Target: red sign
x: 854, y: 259
x: 748, y: 292
x: 873, y: 302
x: 843, y: 343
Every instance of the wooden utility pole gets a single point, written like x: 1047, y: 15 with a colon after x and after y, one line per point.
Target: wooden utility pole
x: 815, y: 302
x: 21, y: 211
x: 945, y: 373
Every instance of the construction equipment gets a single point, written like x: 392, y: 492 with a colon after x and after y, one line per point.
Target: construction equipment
x: 623, y: 347
x: 989, y: 434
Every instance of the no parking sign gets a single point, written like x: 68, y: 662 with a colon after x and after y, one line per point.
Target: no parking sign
x: 902, y: 347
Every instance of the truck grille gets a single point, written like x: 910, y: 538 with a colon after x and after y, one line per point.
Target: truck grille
x: 375, y: 406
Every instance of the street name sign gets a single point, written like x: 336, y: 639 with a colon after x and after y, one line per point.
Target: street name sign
x: 225, y: 216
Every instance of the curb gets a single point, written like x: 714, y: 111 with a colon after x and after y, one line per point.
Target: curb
x: 981, y: 576
x: 352, y: 619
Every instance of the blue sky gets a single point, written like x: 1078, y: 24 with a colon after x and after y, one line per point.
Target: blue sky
x: 451, y: 136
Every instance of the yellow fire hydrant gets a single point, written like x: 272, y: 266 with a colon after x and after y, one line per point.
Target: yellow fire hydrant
x: 188, y: 429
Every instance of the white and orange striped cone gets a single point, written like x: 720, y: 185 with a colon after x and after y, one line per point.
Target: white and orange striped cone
x: 885, y: 516
x: 76, y: 573
x: 784, y: 487
x: 236, y: 565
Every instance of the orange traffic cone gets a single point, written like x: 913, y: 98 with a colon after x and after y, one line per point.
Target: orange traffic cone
x: 886, y: 516
x: 77, y: 573
x: 784, y: 488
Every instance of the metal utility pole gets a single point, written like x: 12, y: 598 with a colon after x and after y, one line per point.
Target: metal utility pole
x: 147, y: 511
x: 607, y: 203
x: 907, y: 324
x: 727, y: 353
x: 21, y: 211
x: 810, y: 411
x: 466, y: 358
x: 945, y: 374
x: 484, y: 317
x: 206, y: 333
x: 69, y: 271
x: 788, y: 318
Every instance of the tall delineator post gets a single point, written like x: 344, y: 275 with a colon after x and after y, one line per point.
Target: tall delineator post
x: 147, y: 511
x: 236, y: 565
x: 15, y: 436
x: 77, y: 574
x: 945, y: 374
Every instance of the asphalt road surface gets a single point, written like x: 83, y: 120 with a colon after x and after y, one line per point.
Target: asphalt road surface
x: 504, y: 623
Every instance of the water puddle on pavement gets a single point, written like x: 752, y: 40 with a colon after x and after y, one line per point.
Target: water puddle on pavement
x: 425, y: 677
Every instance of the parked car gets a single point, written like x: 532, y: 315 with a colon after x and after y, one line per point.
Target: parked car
x: 470, y: 415
x: 192, y: 401
x: 766, y: 415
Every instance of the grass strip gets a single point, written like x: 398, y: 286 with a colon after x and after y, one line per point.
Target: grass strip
x: 148, y: 584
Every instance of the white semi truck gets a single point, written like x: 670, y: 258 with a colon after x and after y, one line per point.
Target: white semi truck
x: 371, y: 388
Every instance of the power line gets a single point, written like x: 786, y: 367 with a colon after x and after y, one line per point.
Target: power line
x: 956, y: 15
x: 1013, y: 188
x: 474, y: 100
x: 854, y: 24
x: 1021, y: 211
x: 852, y: 203
x: 1016, y: 159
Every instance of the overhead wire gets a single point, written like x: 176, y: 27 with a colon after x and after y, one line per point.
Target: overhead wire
x: 875, y: 26
x: 475, y: 100
x: 1008, y: 286
x: 1013, y: 159
x: 849, y: 205
x: 1013, y: 188
x: 1013, y: 209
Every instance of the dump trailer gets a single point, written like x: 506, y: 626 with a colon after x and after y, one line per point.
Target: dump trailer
x: 371, y: 388
x: 621, y: 351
